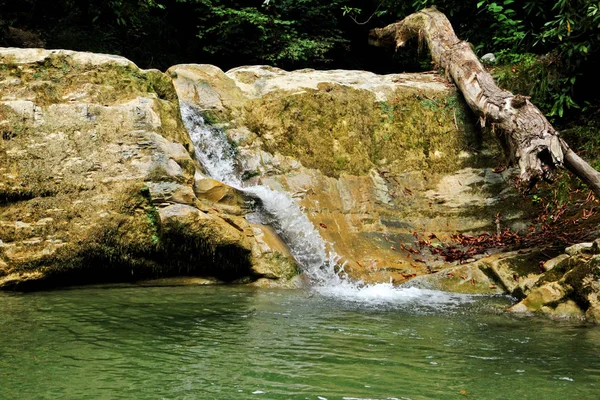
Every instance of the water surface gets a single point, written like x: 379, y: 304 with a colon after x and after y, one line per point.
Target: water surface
x: 224, y: 342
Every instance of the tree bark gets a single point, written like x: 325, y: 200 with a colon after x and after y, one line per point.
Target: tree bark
x: 526, y: 134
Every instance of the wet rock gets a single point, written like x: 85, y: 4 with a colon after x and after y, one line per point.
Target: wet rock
x: 567, y: 310
x: 20, y: 279
x: 218, y: 192
x: 570, y: 289
x: 592, y: 314
x: 179, y: 281
x: 295, y: 283
x: 274, y: 260
x: 460, y: 279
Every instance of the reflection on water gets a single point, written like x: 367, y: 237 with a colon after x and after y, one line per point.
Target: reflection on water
x: 229, y: 342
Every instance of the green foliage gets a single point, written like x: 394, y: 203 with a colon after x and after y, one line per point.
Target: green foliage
x: 549, y: 42
x: 567, y: 29
x: 553, y: 43
x: 509, y: 31
x: 278, y: 32
x: 124, y: 12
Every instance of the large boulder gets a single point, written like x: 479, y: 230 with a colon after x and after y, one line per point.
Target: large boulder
x: 99, y: 183
x: 373, y: 159
x: 570, y: 289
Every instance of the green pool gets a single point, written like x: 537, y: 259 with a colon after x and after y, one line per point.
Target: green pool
x: 223, y: 342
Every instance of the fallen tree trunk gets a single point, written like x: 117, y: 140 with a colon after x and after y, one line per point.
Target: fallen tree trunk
x: 528, y: 137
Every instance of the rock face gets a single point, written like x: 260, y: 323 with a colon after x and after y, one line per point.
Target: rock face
x: 571, y: 286
x: 98, y: 180
x: 372, y: 159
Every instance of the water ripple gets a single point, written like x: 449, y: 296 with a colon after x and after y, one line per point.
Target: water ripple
x: 226, y: 342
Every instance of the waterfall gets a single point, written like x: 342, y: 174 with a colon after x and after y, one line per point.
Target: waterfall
x: 280, y: 210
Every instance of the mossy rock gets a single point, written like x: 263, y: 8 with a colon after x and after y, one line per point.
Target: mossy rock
x: 343, y: 130
x: 83, y: 139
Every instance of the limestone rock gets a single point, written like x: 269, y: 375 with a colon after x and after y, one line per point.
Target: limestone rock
x: 207, y: 86
x: 556, y: 262
x: 274, y: 259
x: 218, y: 192
x: 460, y: 279
x: 179, y: 281
x: 170, y: 192
x: 32, y: 56
x: 592, y: 314
x: 97, y: 178
x: 579, y: 248
x: 210, y: 229
x: 567, y: 310
x: 540, y: 297
x: 295, y: 283
x: 570, y: 289
x: 257, y: 81
x: 518, y: 272
x: 488, y: 58
x: 349, y: 147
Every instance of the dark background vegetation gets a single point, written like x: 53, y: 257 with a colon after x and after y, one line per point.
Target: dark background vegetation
x: 547, y: 49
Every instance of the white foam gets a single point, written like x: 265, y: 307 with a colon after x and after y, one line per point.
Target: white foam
x: 386, y: 293
x: 213, y: 150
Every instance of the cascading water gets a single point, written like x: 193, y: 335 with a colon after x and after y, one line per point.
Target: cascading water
x: 280, y: 210
x: 217, y: 156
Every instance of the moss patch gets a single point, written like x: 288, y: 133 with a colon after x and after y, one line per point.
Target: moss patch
x: 52, y: 80
x: 579, y: 279
x: 338, y: 129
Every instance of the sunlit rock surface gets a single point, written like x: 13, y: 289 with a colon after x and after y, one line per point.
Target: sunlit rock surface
x: 372, y: 158
x: 99, y: 183
x: 570, y: 288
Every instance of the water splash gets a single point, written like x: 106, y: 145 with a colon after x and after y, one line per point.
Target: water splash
x: 387, y: 294
x: 279, y: 210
